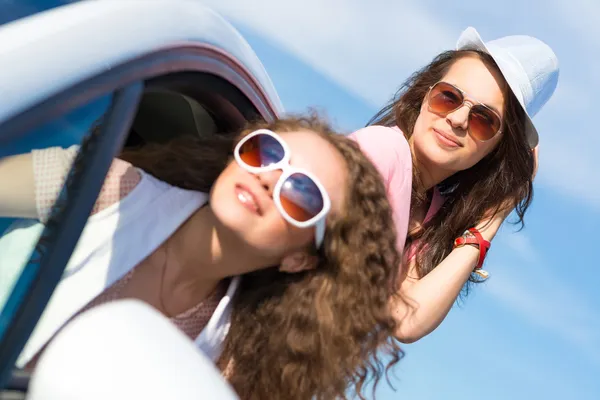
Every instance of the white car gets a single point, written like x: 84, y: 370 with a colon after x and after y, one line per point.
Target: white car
x: 104, y: 74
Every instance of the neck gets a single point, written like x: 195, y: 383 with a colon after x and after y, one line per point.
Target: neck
x: 429, y: 176
x: 202, y: 253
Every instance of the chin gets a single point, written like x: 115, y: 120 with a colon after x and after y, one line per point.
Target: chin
x: 231, y: 214
x: 241, y: 223
x: 430, y: 152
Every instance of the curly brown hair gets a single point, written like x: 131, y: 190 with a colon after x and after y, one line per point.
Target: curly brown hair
x: 317, y: 333
x: 501, y: 181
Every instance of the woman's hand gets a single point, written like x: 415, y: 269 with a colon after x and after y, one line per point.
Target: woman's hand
x: 536, y: 160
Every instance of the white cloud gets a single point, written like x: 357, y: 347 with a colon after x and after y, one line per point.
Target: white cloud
x: 569, y: 144
x: 543, y: 300
x: 520, y: 243
x: 581, y: 17
x: 367, y: 47
x: 531, y: 290
x: 570, y: 97
x: 571, y: 169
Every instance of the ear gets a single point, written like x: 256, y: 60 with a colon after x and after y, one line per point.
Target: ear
x: 297, y: 262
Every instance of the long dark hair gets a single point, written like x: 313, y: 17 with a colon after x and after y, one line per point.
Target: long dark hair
x: 313, y: 334
x: 501, y: 181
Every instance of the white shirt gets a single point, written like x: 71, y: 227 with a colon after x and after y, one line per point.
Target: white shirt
x: 114, y: 241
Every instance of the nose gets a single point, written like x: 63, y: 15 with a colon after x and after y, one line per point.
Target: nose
x: 459, y: 118
x: 269, y: 179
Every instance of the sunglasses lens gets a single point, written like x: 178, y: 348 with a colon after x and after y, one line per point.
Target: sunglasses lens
x: 261, y: 151
x: 301, y: 198
x: 483, y: 123
x: 444, y: 98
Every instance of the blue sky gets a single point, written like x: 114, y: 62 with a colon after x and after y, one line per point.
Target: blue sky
x: 533, y: 330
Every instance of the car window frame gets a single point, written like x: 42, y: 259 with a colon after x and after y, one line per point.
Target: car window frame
x: 38, y: 279
x: 129, y: 79
x: 175, y: 59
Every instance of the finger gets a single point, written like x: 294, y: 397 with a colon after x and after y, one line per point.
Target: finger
x: 536, y: 160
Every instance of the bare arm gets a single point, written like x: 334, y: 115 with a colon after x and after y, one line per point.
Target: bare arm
x: 424, y: 303
x: 17, y: 187
x: 30, y: 183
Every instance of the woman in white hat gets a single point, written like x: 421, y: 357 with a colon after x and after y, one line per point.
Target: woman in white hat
x: 458, y: 151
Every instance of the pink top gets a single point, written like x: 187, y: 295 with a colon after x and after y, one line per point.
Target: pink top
x: 388, y: 149
x: 50, y: 167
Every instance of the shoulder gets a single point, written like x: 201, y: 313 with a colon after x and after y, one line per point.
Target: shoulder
x: 51, y: 166
x: 388, y: 150
x: 377, y: 141
x: 386, y: 146
x: 378, y: 132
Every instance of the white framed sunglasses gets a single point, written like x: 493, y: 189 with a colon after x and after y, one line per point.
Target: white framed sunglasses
x: 298, y: 195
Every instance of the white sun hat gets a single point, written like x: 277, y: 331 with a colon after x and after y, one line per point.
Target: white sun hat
x: 529, y: 66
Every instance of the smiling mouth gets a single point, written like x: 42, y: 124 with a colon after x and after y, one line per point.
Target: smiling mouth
x: 247, y: 199
x: 447, y: 139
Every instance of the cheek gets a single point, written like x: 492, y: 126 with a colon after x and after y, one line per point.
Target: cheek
x: 299, y: 238
x: 484, y: 148
x: 219, y: 188
x: 273, y: 237
x: 425, y: 121
x: 422, y: 138
x: 224, y: 203
x: 421, y: 122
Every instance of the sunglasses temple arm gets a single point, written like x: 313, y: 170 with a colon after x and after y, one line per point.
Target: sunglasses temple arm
x: 319, y: 233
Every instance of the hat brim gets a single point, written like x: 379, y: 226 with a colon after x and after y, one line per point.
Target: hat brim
x: 471, y: 40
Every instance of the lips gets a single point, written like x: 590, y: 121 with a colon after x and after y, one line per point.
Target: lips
x: 447, y: 139
x: 247, y: 198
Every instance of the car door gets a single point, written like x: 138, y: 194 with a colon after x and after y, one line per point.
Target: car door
x: 119, y: 74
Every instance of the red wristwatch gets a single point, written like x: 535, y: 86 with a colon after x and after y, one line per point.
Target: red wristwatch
x: 474, y: 238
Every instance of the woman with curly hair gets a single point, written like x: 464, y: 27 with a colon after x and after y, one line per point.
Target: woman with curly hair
x: 276, y: 262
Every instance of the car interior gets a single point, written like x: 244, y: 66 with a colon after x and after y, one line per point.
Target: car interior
x: 177, y: 104
x: 197, y: 104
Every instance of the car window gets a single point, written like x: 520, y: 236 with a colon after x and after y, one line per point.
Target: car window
x: 19, y: 236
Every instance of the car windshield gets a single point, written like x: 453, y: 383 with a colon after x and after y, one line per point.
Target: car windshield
x: 11, y: 10
x: 19, y: 236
